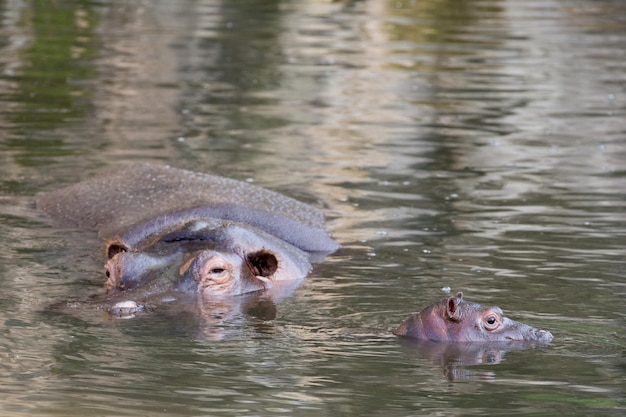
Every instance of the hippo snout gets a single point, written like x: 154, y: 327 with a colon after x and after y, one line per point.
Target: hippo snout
x: 541, y: 336
x: 122, y: 271
x: 127, y: 270
x: 527, y: 333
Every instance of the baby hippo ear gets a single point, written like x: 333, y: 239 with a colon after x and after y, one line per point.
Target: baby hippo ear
x: 452, y: 306
x: 263, y: 263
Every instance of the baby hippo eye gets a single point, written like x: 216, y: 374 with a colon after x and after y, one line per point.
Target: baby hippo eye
x: 492, y: 322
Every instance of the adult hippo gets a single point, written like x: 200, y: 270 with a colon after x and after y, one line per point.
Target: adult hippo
x: 454, y: 320
x: 172, y: 230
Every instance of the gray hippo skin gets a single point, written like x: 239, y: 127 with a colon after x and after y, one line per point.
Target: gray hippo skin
x: 168, y: 229
x: 454, y: 320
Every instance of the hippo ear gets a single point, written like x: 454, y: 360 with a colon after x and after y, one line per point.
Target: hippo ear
x: 113, y: 247
x: 452, y: 306
x: 263, y: 263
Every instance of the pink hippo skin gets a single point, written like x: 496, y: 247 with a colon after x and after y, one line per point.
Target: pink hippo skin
x: 454, y: 320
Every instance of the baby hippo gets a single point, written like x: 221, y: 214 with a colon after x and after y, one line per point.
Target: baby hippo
x: 454, y: 320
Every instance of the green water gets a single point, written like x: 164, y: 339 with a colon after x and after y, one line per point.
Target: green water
x: 475, y: 145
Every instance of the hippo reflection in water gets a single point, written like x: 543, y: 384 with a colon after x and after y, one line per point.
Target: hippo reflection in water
x: 454, y: 320
x: 172, y: 230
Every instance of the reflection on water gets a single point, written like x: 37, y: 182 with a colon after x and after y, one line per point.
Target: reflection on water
x: 457, y: 359
x: 475, y: 145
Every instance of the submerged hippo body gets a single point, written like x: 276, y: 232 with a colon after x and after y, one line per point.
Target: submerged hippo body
x: 168, y: 229
x: 454, y: 320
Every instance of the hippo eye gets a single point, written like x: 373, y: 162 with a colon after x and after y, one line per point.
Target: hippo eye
x: 492, y: 322
x: 218, y: 272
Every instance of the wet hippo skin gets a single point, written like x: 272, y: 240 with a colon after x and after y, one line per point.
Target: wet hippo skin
x: 455, y: 320
x: 167, y: 229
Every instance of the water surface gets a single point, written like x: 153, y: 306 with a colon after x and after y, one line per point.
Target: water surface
x: 477, y: 146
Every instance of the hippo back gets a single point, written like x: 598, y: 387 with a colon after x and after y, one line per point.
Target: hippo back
x: 126, y: 197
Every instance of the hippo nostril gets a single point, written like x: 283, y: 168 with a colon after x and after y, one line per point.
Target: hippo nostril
x: 107, y: 273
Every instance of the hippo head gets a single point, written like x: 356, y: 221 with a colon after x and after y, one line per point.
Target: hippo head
x: 454, y: 320
x: 216, y: 260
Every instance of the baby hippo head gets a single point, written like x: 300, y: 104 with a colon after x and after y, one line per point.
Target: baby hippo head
x: 454, y: 320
